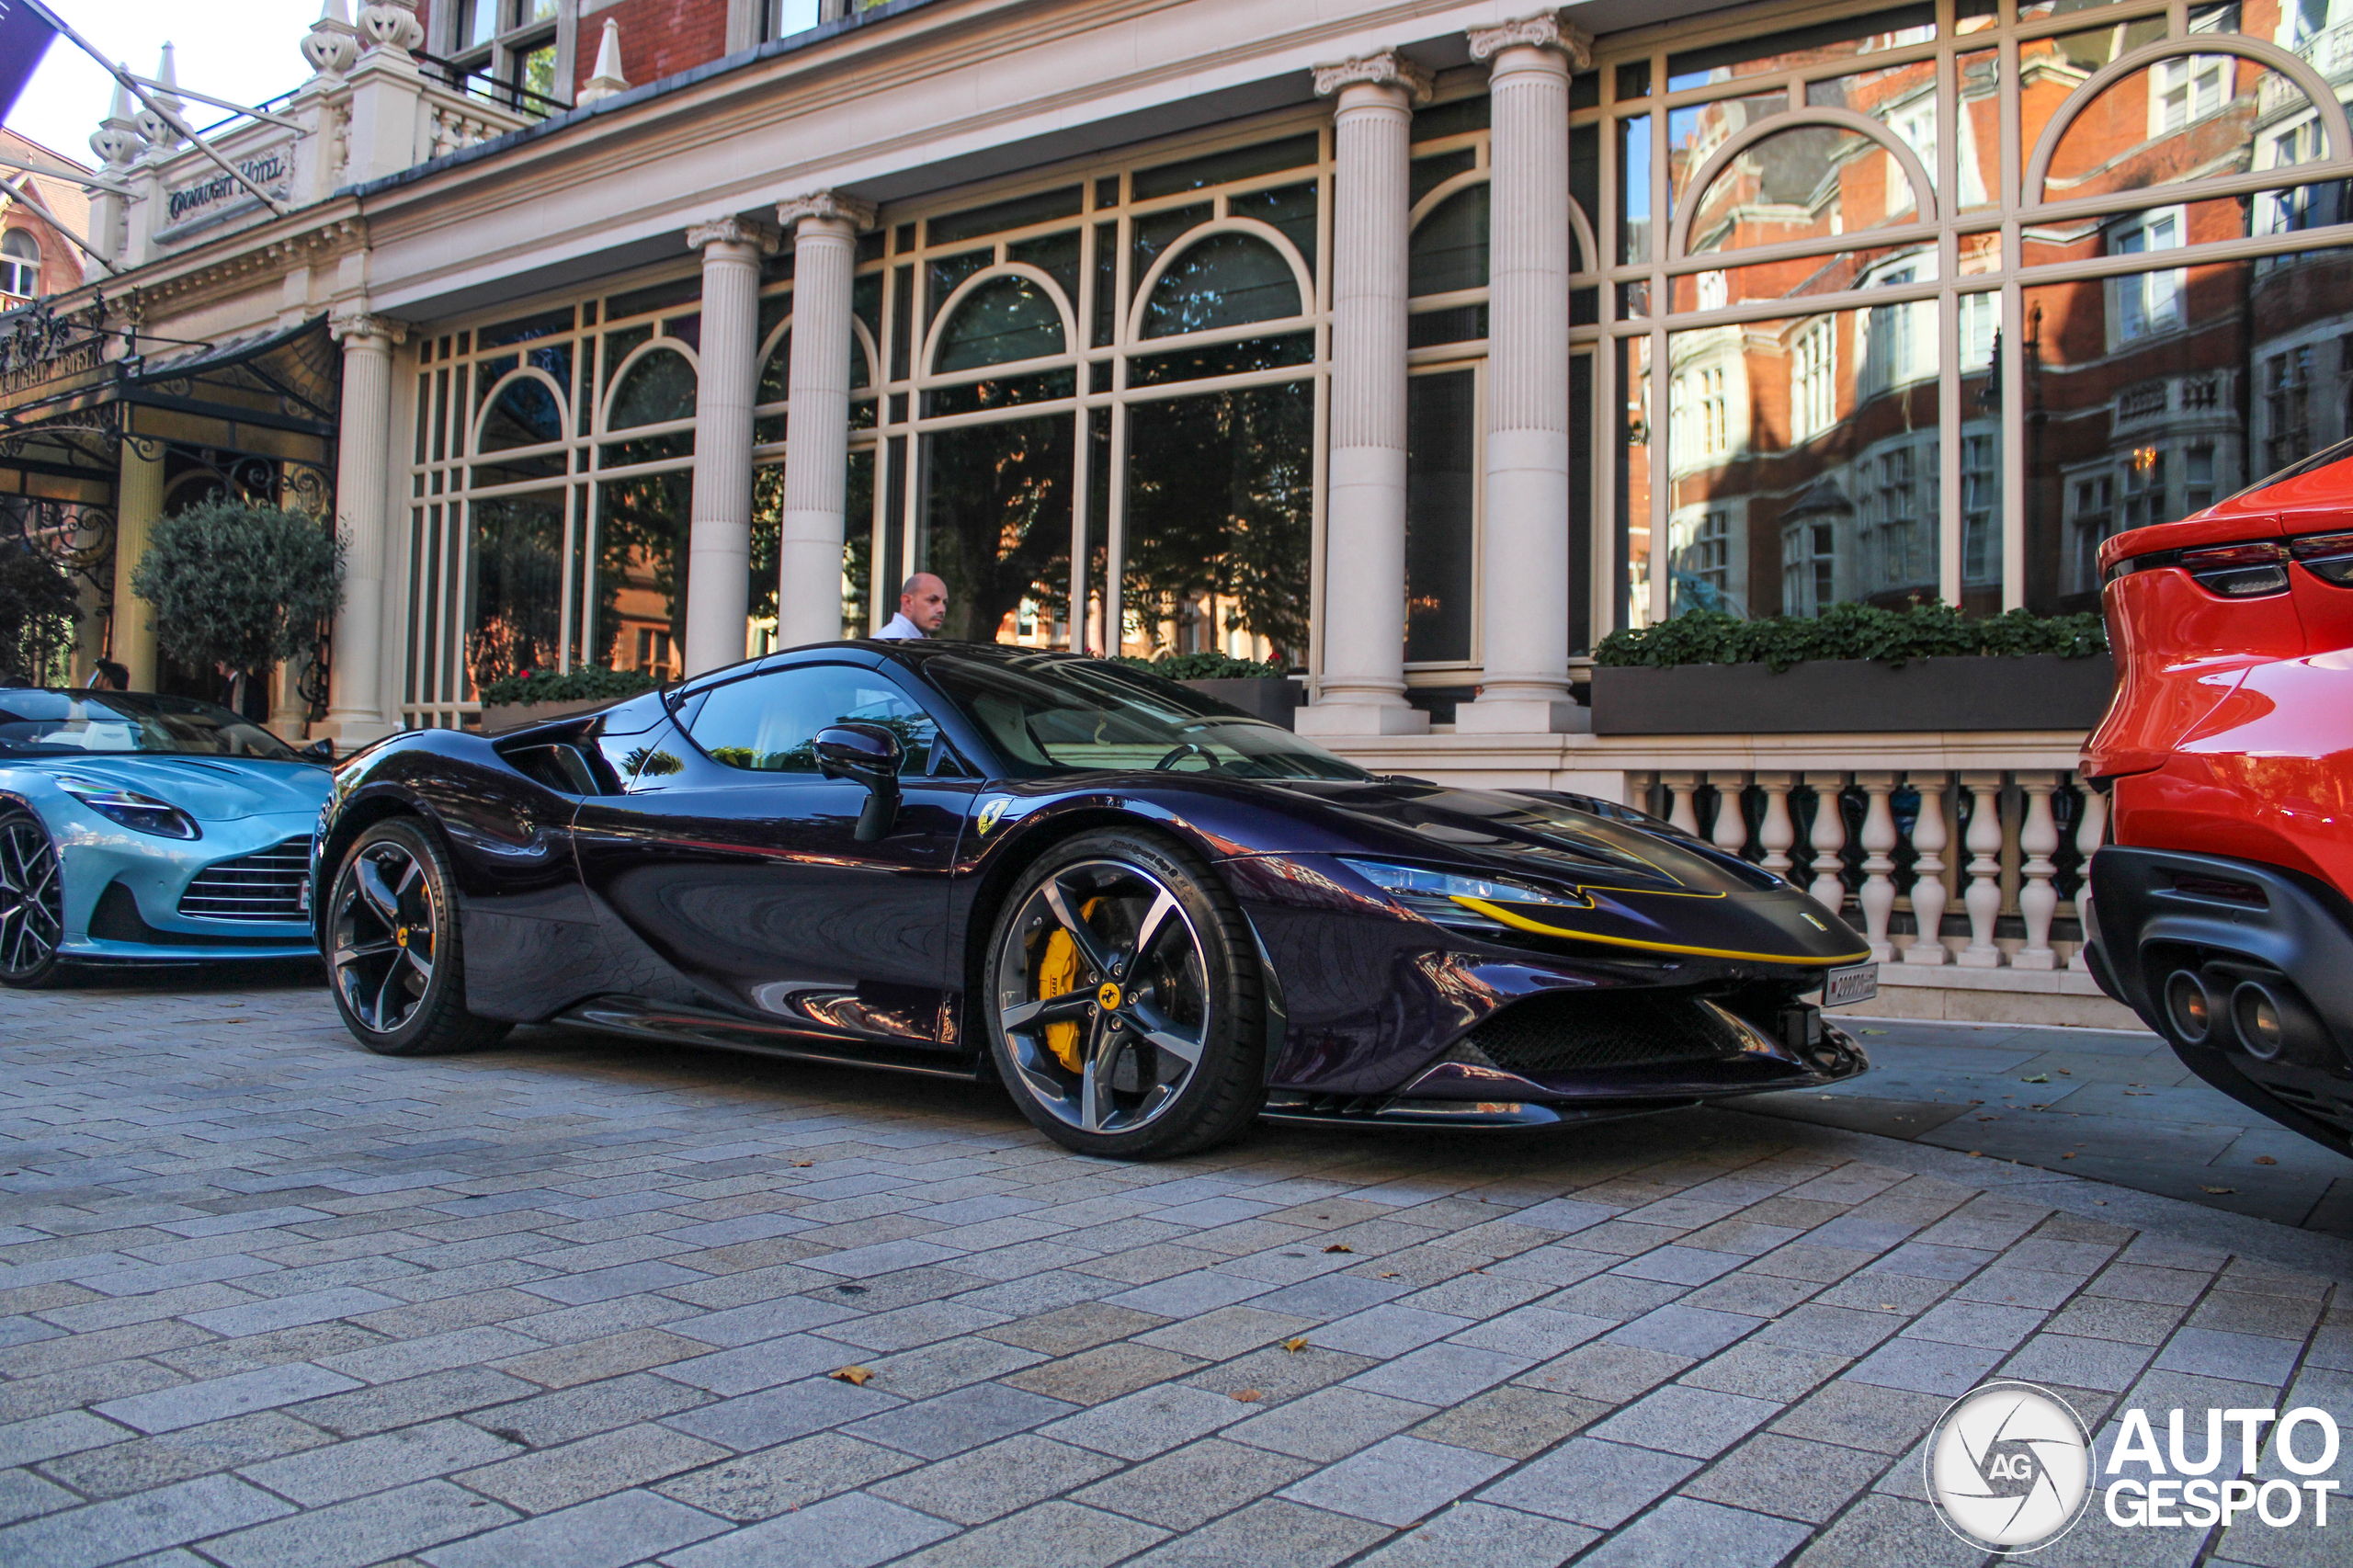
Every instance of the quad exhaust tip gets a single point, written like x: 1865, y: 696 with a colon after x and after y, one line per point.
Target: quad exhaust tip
x: 2189, y: 1007
x: 2268, y: 1025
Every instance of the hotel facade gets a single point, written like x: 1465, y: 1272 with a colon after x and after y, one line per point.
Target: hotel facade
x: 1412, y: 346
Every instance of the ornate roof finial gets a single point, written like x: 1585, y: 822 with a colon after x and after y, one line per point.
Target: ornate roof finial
x: 332, y: 46
x: 607, y: 81
x: 158, y: 130
x: 116, y: 142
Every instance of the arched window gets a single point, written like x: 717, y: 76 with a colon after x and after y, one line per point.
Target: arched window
x: 657, y: 389
x: 524, y: 412
x: 2188, y: 116
x: 1006, y: 319
x: 1227, y: 279
x: 1808, y: 182
x: 1449, y: 250
x: 19, y: 264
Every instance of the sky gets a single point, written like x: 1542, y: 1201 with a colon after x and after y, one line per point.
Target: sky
x: 245, y: 50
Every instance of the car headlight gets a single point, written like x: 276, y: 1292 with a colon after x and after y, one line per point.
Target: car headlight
x: 141, y: 813
x: 1432, y: 894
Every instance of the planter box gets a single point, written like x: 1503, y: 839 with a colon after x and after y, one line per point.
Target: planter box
x: 2039, y: 691
x: 508, y: 716
x: 1267, y: 698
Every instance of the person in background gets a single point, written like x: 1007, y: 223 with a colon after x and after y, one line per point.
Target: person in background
x: 923, y: 609
x: 107, y: 675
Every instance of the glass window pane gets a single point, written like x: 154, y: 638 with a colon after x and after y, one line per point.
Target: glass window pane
x: 1001, y: 321
x: 992, y: 521
x: 1287, y: 208
x: 638, y: 617
x: 1631, y: 439
x: 657, y: 388
x: 768, y: 723
x: 1634, y: 188
x: 1019, y: 213
x: 1695, y: 131
x: 1217, y: 168
x: 1448, y: 249
x: 2187, y: 118
x: 1809, y: 182
x: 1980, y: 509
x: 1441, y: 499
x: 1217, y: 524
x: 1802, y: 47
x: 523, y: 413
x: 479, y: 23
x: 514, y: 585
x: 1227, y: 279
x: 1056, y: 255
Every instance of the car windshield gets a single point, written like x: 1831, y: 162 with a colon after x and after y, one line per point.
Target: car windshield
x: 1049, y: 714
x: 56, y: 722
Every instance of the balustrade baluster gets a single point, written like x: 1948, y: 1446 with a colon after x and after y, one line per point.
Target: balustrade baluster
x: 1828, y: 839
x: 1680, y: 786
x: 1928, y: 841
x: 2038, y: 898
x: 1731, y: 831
x: 1778, y: 832
x: 1984, y: 895
x: 2090, y: 832
x: 1878, y: 897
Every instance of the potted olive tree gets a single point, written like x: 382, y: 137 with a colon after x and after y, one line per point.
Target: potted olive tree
x: 240, y: 586
x: 1853, y: 667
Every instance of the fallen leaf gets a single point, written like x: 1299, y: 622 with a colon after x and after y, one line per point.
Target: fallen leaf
x: 2063, y: 1073
x: 1989, y: 1119
x: 1296, y: 1345
x: 1977, y: 1153
x: 1874, y: 1032
x: 857, y: 1375
x: 2101, y: 1201
x: 2038, y: 1078
x: 2218, y: 1189
x: 1248, y: 1396
x: 1392, y: 1275
x: 2265, y: 1160
x: 1339, y: 1246
x: 1889, y: 1307
x: 802, y: 1165
x: 2066, y: 1156
x: 2142, y: 1094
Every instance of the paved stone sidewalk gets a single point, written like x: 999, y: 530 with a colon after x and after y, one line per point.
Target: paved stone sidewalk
x: 270, y: 1301
x: 2109, y: 1104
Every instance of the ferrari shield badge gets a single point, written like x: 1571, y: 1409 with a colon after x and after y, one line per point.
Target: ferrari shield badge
x: 992, y: 812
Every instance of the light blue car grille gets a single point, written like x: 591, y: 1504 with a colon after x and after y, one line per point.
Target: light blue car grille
x: 269, y: 884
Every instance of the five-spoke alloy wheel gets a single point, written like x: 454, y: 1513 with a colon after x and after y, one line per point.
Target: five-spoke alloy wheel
x: 392, y: 947
x: 1126, y: 1000
x: 32, y: 901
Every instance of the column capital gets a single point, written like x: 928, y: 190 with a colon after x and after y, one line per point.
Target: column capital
x: 731, y: 230
x: 346, y: 324
x: 1543, y: 31
x: 1386, y: 69
x: 828, y: 204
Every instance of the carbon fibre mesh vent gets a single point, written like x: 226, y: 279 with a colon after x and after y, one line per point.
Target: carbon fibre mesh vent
x: 1572, y: 1031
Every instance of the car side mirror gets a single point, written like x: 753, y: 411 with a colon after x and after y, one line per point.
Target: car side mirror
x: 868, y: 755
x: 319, y: 751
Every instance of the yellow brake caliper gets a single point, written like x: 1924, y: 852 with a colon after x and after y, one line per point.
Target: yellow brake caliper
x: 1058, y: 974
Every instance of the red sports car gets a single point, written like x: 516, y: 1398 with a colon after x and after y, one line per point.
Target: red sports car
x: 2222, y: 909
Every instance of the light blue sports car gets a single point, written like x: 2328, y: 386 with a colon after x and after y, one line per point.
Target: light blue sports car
x: 137, y: 828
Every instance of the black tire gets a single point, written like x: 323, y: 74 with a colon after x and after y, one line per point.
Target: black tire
x: 393, y: 900
x: 1071, y: 928
x: 32, y: 903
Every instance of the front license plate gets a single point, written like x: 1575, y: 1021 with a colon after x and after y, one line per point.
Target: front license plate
x: 1841, y: 986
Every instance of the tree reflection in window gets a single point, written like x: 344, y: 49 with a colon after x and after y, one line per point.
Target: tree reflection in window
x: 515, y: 586
x: 1001, y: 321
x: 1227, y: 279
x: 1219, y: 499
x: 1449, y: 250
x: 524, y: 412
x: 640, y: 564
x: 658, y: 388
x: 995, y: 519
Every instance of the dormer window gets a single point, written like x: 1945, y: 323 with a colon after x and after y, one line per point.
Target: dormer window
x: 19, y: 264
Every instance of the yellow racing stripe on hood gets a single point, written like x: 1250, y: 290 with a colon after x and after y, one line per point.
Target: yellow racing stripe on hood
x: 1521, y: 922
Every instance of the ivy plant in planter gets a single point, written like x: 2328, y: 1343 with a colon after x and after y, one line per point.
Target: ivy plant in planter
x: 1263, y: 691
x: 530, y: 695
x: 1854, y: 668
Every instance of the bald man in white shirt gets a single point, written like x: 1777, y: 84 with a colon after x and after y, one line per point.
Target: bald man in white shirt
x: 923, y: 609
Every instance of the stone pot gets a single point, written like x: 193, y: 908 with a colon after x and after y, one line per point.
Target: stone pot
x: 1273, y: 699
x: 2038, y: 691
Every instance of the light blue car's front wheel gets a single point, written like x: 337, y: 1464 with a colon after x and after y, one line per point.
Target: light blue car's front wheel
x: 32, y: 901
x: 392, y: 953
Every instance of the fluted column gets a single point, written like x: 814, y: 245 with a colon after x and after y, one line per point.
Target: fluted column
x: 826, y: 225
x: 363, y: 515
x: 719, y: 543
x: 138, y: 506
x: 1364, y: 601
x: 1524, y: 574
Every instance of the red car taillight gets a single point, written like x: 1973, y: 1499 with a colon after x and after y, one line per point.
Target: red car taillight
x: 2238, y: 571
x: 2328, y: 557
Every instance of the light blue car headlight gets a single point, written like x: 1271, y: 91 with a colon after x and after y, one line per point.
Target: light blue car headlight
x: 1432, y: 894
x: 141, y: 813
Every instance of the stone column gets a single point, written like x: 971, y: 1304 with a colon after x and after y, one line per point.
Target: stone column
x: 364, y: 517
x: 138, y: 506
x: 1363, y: 688
x: 826, y: 225
x: 719, y: 547
x: 1524, y: 577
